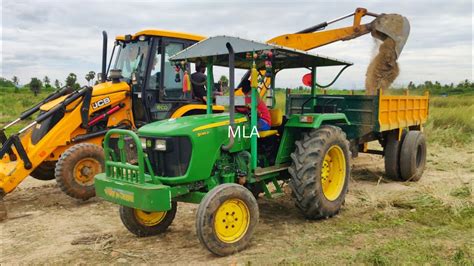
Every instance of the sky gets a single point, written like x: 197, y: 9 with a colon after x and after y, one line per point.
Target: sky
x: 54, y: 38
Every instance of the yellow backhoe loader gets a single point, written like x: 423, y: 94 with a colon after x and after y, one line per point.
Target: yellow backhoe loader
x: 64, y: 141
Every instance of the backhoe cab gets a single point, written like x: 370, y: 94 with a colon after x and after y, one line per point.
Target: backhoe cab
x: 157, y: 90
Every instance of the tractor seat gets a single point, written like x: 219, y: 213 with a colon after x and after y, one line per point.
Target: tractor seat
x: 267, y: 133
x: 277, y: 118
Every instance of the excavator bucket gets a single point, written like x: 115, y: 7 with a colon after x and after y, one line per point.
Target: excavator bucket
x: 393, y: 26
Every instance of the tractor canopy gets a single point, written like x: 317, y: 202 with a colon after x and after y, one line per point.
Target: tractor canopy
x: 214, y: 48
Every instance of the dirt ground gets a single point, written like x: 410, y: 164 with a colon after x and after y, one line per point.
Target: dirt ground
x: 46, y: 226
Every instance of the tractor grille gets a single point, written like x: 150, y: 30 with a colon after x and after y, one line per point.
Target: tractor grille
x: 174, y: 161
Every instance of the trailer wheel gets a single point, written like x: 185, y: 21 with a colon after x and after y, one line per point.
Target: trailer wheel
x: 413, y: 156
x: 44, y: 171
x: 392, y: 156
x: 143, y: 223
x: 76, y: 168
x: 320, y: 172
x: 226, y: 219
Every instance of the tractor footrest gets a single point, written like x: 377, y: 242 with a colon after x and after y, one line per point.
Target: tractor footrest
x: 272, y: 169
x: 147, y: 196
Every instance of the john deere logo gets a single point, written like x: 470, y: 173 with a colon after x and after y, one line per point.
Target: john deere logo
x: 119, y: 194
x: 101, y: 103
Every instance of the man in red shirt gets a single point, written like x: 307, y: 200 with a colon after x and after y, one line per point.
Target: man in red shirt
x: 264, y: 118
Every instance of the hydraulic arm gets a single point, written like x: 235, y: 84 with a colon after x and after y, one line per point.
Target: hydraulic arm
x: 384, y: 25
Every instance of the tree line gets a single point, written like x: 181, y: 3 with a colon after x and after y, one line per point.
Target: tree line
x: 36, y: 84
x: 435, y: 88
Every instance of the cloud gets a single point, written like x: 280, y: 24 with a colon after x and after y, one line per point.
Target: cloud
x: 54, y: 38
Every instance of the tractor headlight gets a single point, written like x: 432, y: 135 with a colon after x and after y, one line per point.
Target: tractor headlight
x: 306, y: 119
x: 146, y: 143
x: 143, y: 142
x: 160, y: 145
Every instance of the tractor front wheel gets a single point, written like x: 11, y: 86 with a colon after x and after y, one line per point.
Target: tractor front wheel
x: 320, y: 172
x: 226, y: 219
x: 143, y: 223
x: 76, y: 168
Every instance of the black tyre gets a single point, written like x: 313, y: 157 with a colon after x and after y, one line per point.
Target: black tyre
x: 3, y: 209
x: 392, y: 156
x: 226, y: 219
x: 44, y: 171
x: 142, y: 223
x: 413, y: 156
x: 76, y: 168
x: 320, y: 172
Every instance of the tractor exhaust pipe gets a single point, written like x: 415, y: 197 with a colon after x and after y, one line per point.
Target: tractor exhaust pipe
x: 231, y: 96
x: 104, y: 57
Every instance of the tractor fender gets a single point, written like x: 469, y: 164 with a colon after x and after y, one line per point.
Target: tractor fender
x: 194, y: 109
x: 313, y: 120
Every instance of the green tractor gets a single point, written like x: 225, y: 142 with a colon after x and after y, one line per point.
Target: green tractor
x: 221, y: 162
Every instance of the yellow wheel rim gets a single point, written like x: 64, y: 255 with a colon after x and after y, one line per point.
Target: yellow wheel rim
x: 333, y: 173
x: 232, y: 220
x: 149, y: 218
x: 85, y: 170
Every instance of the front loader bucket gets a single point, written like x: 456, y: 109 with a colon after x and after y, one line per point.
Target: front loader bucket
x: 394, y: 26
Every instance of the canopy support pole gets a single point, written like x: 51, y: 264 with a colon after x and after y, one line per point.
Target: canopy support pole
x: 313, y: 87
x: 253, y: 114
x: 209, y: 87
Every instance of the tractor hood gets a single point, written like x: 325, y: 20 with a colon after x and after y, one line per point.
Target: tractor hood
x: 188, y: 125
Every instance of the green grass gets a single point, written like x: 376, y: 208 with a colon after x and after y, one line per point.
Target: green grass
x: 451, y: 120
x: 413, y: 228
x: 14, y: 103
x: 462, y: 192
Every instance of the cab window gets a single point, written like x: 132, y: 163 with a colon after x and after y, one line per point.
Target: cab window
x: 155, y: 73
x: 173, y: 85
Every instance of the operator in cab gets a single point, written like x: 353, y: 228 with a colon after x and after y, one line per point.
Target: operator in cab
x: 264, y: 118
x: 198, y: 80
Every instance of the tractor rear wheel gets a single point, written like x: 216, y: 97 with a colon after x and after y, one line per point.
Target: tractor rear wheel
x: 413, y: 156
x: 320, y: 172
x: 226, y: 219
x: 143, y: 223
x: 76, y: 168
x: 44, y: 171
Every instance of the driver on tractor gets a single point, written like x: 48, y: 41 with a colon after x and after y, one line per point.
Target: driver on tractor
x: 198, y: 80
x: 264, y: 118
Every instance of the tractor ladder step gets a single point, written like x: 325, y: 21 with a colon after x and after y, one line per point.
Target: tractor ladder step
x: 270, y: 170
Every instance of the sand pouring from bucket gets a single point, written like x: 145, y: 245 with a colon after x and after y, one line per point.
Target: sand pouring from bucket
x: 394, y: 26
